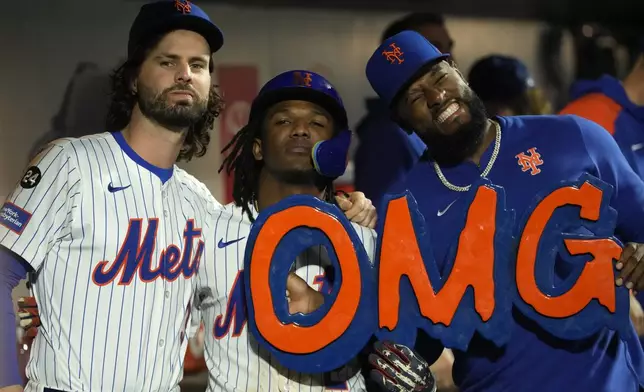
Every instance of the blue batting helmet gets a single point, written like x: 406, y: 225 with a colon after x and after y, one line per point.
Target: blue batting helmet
x: 329, y: 156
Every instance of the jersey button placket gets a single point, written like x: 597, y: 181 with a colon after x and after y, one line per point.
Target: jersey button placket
x: 164, y: 225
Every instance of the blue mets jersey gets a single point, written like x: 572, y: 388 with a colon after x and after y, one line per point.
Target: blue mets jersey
x: 536, y: 154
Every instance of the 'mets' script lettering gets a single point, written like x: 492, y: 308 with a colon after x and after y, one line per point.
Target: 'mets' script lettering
x: 235, y: 312
x: 487, y: 273
x: 135, y: 256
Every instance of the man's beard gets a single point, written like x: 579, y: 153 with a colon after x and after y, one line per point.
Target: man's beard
x: 450, y: 150
x: 175, y: 117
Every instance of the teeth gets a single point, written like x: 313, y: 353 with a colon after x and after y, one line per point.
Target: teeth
x: 449, y: 110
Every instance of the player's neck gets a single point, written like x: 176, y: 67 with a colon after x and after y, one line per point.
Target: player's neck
x: 634, y: 83
x: 270, y: 190
x: 156, y: 145
x: 488, y: 137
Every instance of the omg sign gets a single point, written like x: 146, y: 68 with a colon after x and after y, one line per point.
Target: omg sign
x: 498, y: 263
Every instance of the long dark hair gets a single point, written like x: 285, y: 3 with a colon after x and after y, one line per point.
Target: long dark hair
x: 241, y: 163
x: 123, y: 100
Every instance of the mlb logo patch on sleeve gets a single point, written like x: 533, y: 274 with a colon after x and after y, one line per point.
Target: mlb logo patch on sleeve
x: 13, y: 217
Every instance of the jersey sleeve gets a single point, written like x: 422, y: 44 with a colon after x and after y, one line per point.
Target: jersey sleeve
x: 37, y: 213
x: 369, y: 240
x: 611, y: 166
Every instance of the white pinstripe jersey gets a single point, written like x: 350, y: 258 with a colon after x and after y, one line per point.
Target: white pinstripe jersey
x: 235, y: 360
x: 115, y: 243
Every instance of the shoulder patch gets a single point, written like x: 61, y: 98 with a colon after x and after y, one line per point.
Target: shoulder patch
x: 31, y: 178
x: 13, y: 217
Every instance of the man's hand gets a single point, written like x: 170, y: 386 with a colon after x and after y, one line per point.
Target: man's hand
x: 29, y: 318
x: 358, y: 209
x: 631, y: 268
x: 442, y: 370
x: 397, y: 368
x: 637, y: 315
x: 301, y: 297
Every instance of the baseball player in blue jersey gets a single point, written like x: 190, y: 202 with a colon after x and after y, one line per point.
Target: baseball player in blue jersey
x: 525, y: 155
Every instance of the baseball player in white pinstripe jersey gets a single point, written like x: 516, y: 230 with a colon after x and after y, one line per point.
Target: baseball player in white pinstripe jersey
x: 235, y: 360
x: 111, y: 229
x: 274, y: 156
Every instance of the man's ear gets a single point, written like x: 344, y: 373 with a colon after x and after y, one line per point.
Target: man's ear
x: 134, y: 86
x: 257, y: 150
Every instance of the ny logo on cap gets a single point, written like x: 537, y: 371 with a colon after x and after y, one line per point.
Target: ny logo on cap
x: 302, y: 80
x: 393, y: 55
x: 183, y: 6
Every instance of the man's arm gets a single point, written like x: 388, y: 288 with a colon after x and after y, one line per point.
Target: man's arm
x: 12, y: 271
x: 611, y: 166
x: 39, y: 210
x: 34, y: 216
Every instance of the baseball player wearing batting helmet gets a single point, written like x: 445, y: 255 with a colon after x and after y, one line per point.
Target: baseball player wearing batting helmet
x: 527, y: 156
x: 296, y: 142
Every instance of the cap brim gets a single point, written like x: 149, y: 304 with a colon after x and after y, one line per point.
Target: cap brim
x: 208, y: 30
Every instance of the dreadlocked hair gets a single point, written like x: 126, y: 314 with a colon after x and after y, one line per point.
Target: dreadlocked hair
x: 240, y: 162
x: 123, y: 100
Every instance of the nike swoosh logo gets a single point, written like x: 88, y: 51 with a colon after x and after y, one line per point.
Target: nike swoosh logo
x: 113, y: 189
x: 223, y: 244
x: 637, y: 146
x: 441, y: 213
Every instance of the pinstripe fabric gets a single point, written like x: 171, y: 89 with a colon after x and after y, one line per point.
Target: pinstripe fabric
x: 110, y: 326
x: 235, y: 361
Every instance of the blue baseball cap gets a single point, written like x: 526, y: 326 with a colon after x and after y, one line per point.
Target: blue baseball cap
x: 399, y: 61
x: 168, y: 15
x: 499, y: 78
x: 300, y: 85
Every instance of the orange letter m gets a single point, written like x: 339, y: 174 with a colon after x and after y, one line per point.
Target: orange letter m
x: 475, y: 294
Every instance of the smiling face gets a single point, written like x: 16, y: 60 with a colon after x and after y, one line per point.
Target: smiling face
x: 290, y: 131
x: 447, y: 115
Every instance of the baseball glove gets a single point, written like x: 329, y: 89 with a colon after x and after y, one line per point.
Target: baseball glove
x: 29, y: 317
x: 397, y: 368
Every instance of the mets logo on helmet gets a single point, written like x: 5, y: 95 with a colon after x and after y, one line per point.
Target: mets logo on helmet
x: 302, y: 80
